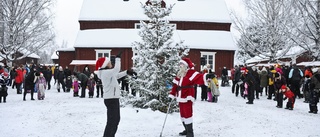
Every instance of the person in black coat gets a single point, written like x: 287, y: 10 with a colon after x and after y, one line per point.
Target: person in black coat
x: 256, y: 76
x: 279, y: 81
x: 67, y: 72
x: 248, y: 78
x: 83, y: 78
x: 98, y: 85
x: 61, y: 79
x: 48, y: 76
x: 30, y: 83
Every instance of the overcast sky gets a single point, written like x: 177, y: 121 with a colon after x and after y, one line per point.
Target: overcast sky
x: 67, y: 14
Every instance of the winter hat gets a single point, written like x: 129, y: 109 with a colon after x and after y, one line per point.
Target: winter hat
x: 283, y: 87
x: 243, y: 69
x: 187, y: 62
x: 102, y: 62
x: 41, y: 74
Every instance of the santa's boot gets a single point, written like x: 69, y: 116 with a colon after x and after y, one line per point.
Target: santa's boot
x: 189, y: 130
x: 184, y: 132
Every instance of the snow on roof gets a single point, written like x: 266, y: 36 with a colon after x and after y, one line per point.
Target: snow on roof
x: 293, y: 52
x: 83, y: 62
x: 196, y: 39
x: 311, y: 63
x: 30, y: 55
x: 54, y: 55
x: 66, y: 49
x: 189, y: 10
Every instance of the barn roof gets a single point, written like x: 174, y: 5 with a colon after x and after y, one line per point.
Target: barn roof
x: 123, y: 38
x: 189, y: 10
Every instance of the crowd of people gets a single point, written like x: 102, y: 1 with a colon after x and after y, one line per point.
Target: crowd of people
x: 37, y: 79
x: 279, y: 83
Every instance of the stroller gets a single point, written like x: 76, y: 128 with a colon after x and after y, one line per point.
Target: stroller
x: 225, y: 81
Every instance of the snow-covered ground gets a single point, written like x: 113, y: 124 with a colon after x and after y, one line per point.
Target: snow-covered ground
x: 62, y: 115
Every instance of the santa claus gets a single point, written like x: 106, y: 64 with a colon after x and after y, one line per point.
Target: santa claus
x: 183, y: 91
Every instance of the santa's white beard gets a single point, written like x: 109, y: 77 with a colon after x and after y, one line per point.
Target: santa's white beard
x: 182, y: 72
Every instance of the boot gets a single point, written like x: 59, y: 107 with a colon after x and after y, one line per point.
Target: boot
x: 184, y: 132
x: 58, y: 90
x: 32, y: 96
x: 4, y: 99
x: 189, y: 130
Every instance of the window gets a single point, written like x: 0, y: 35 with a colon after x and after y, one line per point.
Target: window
x: 137, y: 26
x: 210, y: 59
x: 102, y: 53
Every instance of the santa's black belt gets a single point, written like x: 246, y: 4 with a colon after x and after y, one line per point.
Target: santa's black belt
x: 183, y: 87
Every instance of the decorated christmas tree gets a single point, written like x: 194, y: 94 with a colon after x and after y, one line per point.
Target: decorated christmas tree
x: 156, y: 57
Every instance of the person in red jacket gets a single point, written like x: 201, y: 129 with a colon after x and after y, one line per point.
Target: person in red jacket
x: 183, y: 91
x: 19, y: 79
x: 290, y: 95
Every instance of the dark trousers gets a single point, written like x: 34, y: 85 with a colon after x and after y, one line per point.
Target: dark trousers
x: 251, y: 93
x: 241, y: 90
x: 314, y: 99
x: 48, y: 83
x: 83, y: 89
x: 99, y: 89
x: 270, y: 91
x: 261, y: 90
x: 295, y: 87
x: 279, y: 98
x: 62, y: 84
x: 204, y: 92
x: 25, y: 93
x: 235, y: 86
x: 257, y: 89
x: 113, y: 117
x: 18, y: 86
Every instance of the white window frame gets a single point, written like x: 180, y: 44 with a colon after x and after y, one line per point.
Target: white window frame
x: 102, y: 51
x: 213, y: 54
x: 137, y: 25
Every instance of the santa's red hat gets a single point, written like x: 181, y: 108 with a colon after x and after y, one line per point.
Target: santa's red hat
x: 187, y: 62
x: 102, y: 62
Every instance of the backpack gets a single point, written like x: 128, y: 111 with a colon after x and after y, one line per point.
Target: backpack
x: 296, y: 75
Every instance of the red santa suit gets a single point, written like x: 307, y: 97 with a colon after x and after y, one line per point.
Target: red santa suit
x: 183, y: 90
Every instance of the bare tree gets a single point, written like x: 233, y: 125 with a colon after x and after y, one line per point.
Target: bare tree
x: 264, y: 31
x: 27, y: 27
x: 306, y: 28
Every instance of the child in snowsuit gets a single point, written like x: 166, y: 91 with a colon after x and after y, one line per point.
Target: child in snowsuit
x: 4, y: 80
x: 68, y: 83
x: 91, y: 85
x: 75, y: 86
x: 41, y: 86
x: 213, y: 92
x: 290, y: 95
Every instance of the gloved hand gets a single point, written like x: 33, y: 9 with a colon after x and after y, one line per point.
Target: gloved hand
x: 285, y: 98
x: 119, y: 54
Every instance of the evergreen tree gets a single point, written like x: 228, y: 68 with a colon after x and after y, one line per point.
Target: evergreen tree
x: 157, y: 57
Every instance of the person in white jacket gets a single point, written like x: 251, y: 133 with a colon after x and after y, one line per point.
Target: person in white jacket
x: 111, y: 91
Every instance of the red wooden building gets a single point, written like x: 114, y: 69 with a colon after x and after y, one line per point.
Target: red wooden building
x: 107, y: 27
